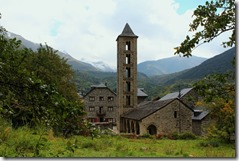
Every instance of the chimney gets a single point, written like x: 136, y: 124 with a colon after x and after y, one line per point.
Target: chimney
x: 179, y: 92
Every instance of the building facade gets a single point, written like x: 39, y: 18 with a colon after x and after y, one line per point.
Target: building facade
x: 101, y: 104
x: 158, y: 117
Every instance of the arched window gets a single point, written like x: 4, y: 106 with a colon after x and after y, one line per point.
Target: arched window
x: 132, y: 127
x: 127, y: 46
x: 137, y: 128
x: 128, y: 126
x: 152, y: 130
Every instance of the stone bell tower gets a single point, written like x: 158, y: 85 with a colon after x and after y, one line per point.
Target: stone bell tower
x: 126, y: 72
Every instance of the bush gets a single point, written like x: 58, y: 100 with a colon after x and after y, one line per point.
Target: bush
x: 5, y: 130
x: 211, y: 143
x: 147, y: 136
x: 182, y: 136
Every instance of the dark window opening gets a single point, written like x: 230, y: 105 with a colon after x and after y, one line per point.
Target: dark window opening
x: 91, y: 98
x: 110, y: 98
x: 137, y: 128
x: 128, y: 100
x: 127, y: 47
x: 128, y: 72
x: 101, y: 110
x: 110, y: 108
x: 101, y: 98
x: 152, y: 130
x: 128, y: 86
x: 127, y: 59
x: 175, y: 114
x: 91, y: 109
x: 132, y: 127
x: 91, y: 119
x: 102, y: 119
x: 128, y: 127
x: 111, y: 120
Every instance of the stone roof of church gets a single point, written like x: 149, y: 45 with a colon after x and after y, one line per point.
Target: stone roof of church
x: 141, y: 93
x: 145, y: 109
x: 202, y: 115
x: 176, y: 94
x: 127, y: 32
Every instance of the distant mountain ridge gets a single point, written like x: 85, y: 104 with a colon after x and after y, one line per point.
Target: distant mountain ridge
x: 169, y: 65
x: 218, y: 64
x: 76, y: 64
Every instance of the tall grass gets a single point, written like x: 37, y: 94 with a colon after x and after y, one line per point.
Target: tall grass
x: 25, y: 142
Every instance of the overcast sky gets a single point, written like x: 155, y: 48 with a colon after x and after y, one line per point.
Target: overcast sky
x: 87, y: 29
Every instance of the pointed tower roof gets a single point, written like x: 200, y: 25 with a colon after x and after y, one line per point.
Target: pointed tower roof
x: 127, y: 32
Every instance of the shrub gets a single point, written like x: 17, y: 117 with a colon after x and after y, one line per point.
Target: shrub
x: 212, y: 143
x: 5, y: 130
x: 147, y: 135
x: 182, y: 136
x: 161, y: 136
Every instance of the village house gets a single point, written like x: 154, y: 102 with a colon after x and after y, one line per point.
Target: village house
x: 101, y: 104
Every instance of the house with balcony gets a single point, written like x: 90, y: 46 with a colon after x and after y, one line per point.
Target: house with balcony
x: 101, y: 105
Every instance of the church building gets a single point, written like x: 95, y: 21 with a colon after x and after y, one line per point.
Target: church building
x: 147, y: 117
x: 128, y: 112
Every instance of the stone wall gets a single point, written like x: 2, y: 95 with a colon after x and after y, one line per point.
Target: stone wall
x: 165, y: 122
x: 101, y: 98
x: 200, y: 126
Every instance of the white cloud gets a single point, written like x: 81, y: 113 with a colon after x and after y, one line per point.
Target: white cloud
x: 88, y: 28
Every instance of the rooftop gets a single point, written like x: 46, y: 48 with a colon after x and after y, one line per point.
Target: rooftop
x: 127, y: 32
x: 176, y: 94
x: 145, y: 109
x: 141, y: 93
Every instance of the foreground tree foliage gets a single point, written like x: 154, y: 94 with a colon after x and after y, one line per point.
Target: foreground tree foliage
x: 211, y: 20
x: 218, y: 90
x: 37, y: 88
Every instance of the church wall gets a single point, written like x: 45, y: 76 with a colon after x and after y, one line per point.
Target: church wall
x: 165, y: 121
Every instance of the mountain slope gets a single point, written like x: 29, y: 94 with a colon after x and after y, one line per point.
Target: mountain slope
x: 76, y: 64
x: 217, y: 64
x: 169, y: 65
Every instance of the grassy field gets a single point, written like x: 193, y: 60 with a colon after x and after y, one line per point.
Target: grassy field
x: 27, y: 143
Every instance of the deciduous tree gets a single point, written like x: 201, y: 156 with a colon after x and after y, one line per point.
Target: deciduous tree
x: 218, y: 90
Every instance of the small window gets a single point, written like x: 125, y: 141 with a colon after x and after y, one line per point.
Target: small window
x: 128, y: 73
x: 128, y: 100
x: 127, y: 46
x: 91, y: 109
x: 91, y: 119
x: 127, y: 59
x: 91, y: 98
x: 128, y: 86
x: 110, y: 98
x: 175, y: 114
x: 111, y: 120
x: 101, y: 98
x: 110, y: 108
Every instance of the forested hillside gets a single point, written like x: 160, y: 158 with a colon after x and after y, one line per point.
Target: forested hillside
x: 159, y: 85
x: 169, y: 65
x: 218, y: 64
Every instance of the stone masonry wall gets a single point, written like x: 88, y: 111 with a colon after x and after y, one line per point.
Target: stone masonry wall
x: 165, y: 121
x: 101, y: 99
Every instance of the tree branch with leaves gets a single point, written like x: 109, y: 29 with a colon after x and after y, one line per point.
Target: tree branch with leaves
x: 211, y: 20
